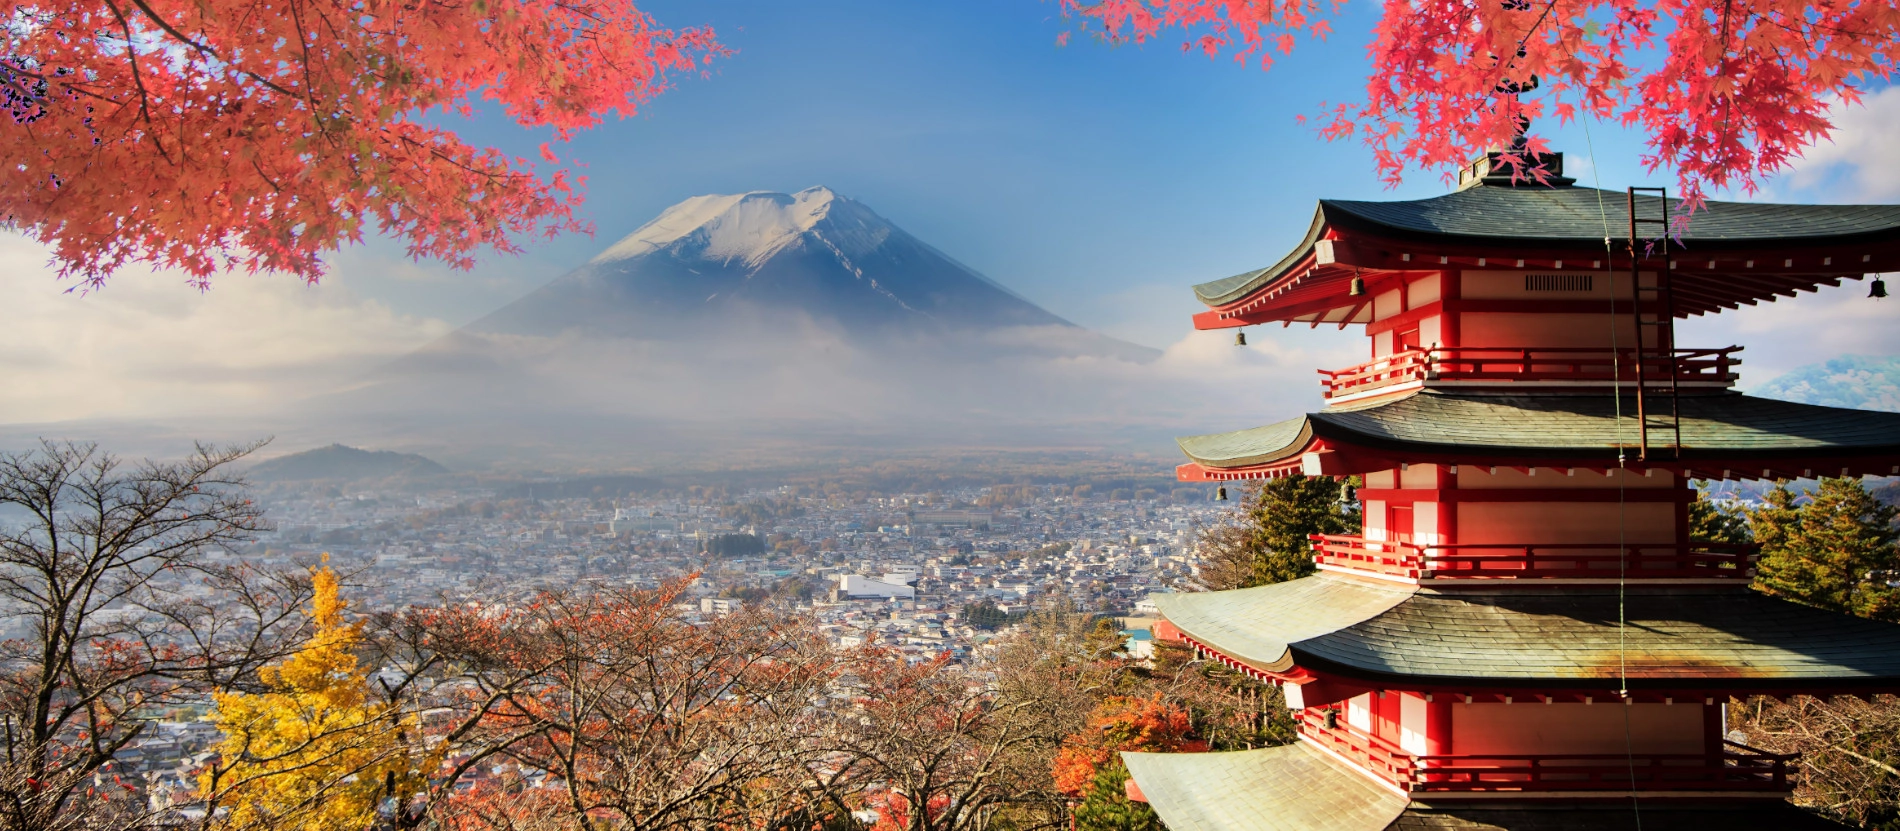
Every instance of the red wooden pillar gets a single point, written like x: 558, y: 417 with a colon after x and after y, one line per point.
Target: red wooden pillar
x: 1685, y: 494
x: 1448, y: 290
x: 1447, y: 484
x: 1438, y: 726
x: 1713, y: 729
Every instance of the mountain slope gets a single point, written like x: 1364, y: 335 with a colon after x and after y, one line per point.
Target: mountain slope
x: 711, y: 259
x: 755, y: 318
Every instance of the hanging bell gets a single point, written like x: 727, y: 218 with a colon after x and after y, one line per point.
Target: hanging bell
x: 1358, y: 287
x: 1240, y: 338
x: 1879, y: 288
x: 1220, y: 494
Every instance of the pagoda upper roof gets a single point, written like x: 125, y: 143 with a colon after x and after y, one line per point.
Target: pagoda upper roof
x: 1566, y: 638
x: 1288, y: 787
x: 1716, y: 428
x: 1542, y: 218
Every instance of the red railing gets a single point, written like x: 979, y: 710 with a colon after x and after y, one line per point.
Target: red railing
x: 1385, y: 759
x: 1557, y: 365
x: 1695, y: 559
x: 1738, y: 768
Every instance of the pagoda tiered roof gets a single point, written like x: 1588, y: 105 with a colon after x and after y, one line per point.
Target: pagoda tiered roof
x: 1724, y: 435
x: 1539, y: 638
x: 1721, y: 257
x: 1522, y: 338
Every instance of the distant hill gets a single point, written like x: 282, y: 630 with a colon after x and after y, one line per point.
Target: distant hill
x: 348, y: 463
x: 1862, y: 382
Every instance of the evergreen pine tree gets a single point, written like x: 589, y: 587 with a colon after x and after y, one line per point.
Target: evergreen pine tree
x: 1287, y: 513
x: 1718, y: 522
x: 1106, y: 806
x: 1835, y: 551
x: 1269, y: 541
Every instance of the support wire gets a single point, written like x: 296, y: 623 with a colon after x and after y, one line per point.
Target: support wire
x: 1622, y: 479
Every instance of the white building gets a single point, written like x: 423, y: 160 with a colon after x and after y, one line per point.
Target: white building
x: 720, y: 606
x: 855, y: 587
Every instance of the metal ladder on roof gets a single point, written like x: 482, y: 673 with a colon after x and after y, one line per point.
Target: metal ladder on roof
x: 1654, y: 312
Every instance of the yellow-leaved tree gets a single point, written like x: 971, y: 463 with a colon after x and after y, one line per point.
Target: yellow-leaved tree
x: 316, y: 751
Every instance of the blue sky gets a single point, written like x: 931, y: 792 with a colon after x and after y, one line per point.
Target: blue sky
x: 1098, y: 181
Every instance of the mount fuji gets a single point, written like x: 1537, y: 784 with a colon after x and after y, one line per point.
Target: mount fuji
x: 768, y: 315
x: 711, y: 259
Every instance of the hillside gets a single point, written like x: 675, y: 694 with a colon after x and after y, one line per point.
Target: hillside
x: 339, y: 462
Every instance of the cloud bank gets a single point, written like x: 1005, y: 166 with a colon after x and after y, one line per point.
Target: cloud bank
x: 148, y: 346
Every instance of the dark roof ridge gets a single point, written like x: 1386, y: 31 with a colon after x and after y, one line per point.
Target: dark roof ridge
x: 1584, y: 428
x: 1567, y: 216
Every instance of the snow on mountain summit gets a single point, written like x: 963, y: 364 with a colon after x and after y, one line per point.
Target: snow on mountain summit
x: 707, y: 263
x: 751, y: 227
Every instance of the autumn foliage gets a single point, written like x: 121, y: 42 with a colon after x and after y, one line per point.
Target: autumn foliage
x: 1726, y: 91
x: 1122, y: 723
x: 261, y: 134
x: 315, y: 751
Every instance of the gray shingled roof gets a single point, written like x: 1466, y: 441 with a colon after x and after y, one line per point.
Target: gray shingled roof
x: 1258, y: 625
x: 1564, y: 636
x: 1722, y: 426
x: 1570, y: 217
x: 1652, y: 814
x: 1289, y: 788
x: 1574, y: 214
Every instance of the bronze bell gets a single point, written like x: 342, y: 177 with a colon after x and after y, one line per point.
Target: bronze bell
x: 1358, y: 287
x: 1220, y: 494
x: 1879, y: 288
x: 1240, y: 338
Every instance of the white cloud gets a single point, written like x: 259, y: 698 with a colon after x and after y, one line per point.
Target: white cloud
x: 1861, y: 162
x: 148, y: 345
x: 1795, y: 332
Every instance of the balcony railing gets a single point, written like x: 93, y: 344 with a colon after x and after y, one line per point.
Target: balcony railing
x: 1737, y: 768
x: 1691, y: 560
x: 1581, y: 366
x: 1383, y: 758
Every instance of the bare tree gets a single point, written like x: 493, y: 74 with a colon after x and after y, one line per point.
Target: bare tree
x: 940, y: 746
x: 612, y: 707
x: 110, y: 568
x: 1850, y: 751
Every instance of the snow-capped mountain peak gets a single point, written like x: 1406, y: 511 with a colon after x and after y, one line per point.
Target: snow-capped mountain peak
x: 711, y: 260
x: 744, y: 228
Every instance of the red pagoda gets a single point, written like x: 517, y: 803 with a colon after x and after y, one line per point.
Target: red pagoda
x: 1525, y: 636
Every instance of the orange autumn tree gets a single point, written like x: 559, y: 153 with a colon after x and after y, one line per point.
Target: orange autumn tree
x: 262, y: 134
x: 1089, y: 766
x: 1121, y: 723
x: 1726, y: 91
